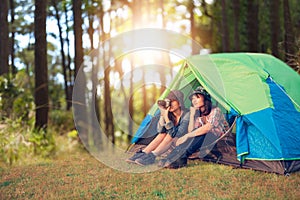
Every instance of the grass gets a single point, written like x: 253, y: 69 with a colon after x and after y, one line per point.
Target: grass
x: 78, y: 175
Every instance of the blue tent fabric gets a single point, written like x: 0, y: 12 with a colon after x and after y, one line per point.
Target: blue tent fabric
x: 242, y: 145
x: 269, y: 134
x: 147, y: 128
x: 262, y: 136
x: 287, y: 122
x: 139, y: 133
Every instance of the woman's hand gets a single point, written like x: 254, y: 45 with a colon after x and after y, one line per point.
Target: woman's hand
x: 164, y: 112
x: 193, y: 111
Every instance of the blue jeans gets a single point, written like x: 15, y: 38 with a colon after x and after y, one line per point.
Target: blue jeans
x: 190, y: 146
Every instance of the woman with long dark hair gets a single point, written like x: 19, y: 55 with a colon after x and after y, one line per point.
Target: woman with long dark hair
x: 207, y: 123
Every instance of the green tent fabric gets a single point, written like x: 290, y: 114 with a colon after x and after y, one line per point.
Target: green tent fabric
x: 231, y: 77
x: 234, y: 75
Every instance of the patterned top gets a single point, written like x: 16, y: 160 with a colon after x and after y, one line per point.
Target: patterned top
x: 216, y: 119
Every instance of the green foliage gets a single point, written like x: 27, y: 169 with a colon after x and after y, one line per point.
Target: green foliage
x: 43, y: 143
x: 22, y: 105
x: 61, y: 120
x: 12, y: 141
x: 73, y: 134
x: 16, y: 99
x: 19, y: 140
x: 8, y: 92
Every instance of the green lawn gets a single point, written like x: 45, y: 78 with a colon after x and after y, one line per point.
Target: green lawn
x: 79, y: 176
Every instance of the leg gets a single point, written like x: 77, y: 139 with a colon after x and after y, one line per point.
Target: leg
x: 160, y: 144
x: 186, y: 149
x: 195, y: 145
x: 150, y: 147
x: 163, y: 146
x: 155, y: 143
x: 178, y: 157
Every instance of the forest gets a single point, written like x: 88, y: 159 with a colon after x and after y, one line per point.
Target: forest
x: 44, y: 45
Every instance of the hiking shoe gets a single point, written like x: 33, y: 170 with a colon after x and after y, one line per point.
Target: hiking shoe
x: 146, y: 159
x: 137, y: 155
x: 162, y: 162
x: 180, y: 162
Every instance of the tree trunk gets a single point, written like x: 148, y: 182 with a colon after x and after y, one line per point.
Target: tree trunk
x: 191, y: 8
x: 63, y: 56
x: 136, y: 8
x: 12, y: 39
x: 4, y: 45
x: 225, y: 32
x: 78, y: 34
x: 236, y: 19
x: 289, y: 38
x: 161, y: 5
x: 145, y: 106
x: 95, y: 69
x: 136, y: 13
x: 275, y: 28
x: 130, y: 104
x: 252, y: 26
x: 108, y: 115
x: 81, y: 113
x: 41, y: 70
x: 109, y: 126
x: 70, y: 74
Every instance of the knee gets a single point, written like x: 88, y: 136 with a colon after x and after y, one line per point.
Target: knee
x: 161, y: 135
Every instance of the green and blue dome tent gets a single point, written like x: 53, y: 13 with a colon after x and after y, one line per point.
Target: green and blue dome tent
x: 264, y: 95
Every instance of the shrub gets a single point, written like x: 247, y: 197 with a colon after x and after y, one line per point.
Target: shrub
x: 18, y: 140
x: 62, y: 120
x: 43, y: 143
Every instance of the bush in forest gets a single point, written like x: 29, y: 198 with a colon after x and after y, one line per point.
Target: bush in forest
x: 16, y: 99
x: 19, y: 140
x: 61, y: 120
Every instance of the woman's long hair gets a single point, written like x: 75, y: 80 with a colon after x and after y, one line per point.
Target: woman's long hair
x: 172, y: 117
x: 207, y: 107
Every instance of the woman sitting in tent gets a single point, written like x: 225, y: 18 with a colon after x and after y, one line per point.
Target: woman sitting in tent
x: 173, y: 123
x: 206, y: 125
